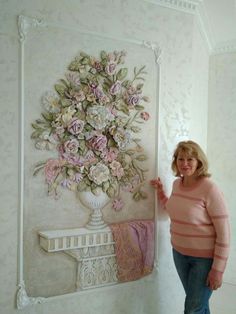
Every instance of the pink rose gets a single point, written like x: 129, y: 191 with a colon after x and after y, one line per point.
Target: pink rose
x: 71, y: 146
x: 98, y: 92
x: 52, y: 168
x: 116, y: 169
x: 98, y: 66
x: 133, y: 100
x: 115, y: 88
x: 117, y: 204
x: 145, y: 115
x: 98, y: 142
x: 110, y: 155
x: 110, y: 68
x: 75, y: 126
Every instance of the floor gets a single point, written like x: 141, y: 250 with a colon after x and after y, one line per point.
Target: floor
x: 223, y: 301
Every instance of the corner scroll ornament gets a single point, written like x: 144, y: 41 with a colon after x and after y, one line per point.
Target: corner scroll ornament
x: 25, y: 22
x: 156, y: 50
x: 23, y: 300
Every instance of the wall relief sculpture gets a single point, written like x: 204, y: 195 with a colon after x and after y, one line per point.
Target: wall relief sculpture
x: 88, y: 149
x: 92, y: 119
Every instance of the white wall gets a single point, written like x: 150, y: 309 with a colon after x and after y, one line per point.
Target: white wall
x: 199, y: 101
x: 221, y: 138
x: 183, y: 86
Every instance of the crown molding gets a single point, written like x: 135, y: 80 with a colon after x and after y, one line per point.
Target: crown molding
x: 225, y: 47
x: 188, y: 6
x: 205, y: 27
x: 197, y: 8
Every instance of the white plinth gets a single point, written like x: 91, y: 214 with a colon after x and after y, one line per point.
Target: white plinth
x: 93, y: 250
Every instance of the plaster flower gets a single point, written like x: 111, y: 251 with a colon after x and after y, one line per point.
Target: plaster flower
x: 47, y: 136
x: 97, y: 117
x: 73, y: 78
x: 110, y: 154
x: 145, y: 116
x: 116, y: 169
x: 71, y: 146
x: 98, y: 142
x: 46, y: 141
x: 110, y: 68
x: 44, y: 145
x: 78, y: 177
x: 99, y: 173
x: 98, y: 92
x: 50, y: 101
x: 52, y: 169
x: 89, y: 158
x: 67, y: 115
x: 115, y: 88
x: 118, y: 204
x: 75, y: 126
x: 72, y: 159
x: 96, y: 64
x: 131, y: 90
x: 89, y: 120
x: 122, y: 137
x: 133, y: 100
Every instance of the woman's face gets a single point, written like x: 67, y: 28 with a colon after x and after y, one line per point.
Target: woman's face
x: 186, y: 164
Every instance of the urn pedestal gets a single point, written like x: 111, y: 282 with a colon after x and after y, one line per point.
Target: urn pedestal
x: 93, y: 251
x: 95, y: 203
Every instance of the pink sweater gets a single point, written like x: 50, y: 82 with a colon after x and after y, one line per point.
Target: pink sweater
x: 199, y: 221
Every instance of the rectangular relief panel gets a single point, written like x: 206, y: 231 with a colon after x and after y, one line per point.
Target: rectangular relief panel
x: 89, y: 107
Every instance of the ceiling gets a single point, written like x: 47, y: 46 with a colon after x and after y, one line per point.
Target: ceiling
x: 217, y: 20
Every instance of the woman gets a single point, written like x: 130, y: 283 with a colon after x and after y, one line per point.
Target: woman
x: 199, y: 226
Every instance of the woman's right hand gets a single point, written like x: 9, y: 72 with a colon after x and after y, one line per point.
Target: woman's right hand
x: 157, y: 184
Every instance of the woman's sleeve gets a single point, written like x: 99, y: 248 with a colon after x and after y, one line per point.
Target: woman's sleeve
x: 218, y: 212
x: 162, y: 198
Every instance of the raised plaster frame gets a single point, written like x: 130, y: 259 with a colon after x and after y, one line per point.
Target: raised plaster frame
x: 25, y: 23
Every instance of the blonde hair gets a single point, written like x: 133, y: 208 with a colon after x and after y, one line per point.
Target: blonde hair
x: 192, y: 149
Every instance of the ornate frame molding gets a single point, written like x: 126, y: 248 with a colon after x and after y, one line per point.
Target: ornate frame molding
x: 25, y: 24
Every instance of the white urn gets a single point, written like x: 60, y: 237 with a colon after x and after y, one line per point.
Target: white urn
x: 95, y: 203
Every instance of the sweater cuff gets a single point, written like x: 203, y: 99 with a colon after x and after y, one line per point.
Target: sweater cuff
x: 218, y: 275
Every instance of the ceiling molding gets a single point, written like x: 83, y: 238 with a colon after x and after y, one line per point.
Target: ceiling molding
x: 226, y: 47
x: 197, y: 8
x: 214, y: 47
x: 205, y: 27
x: 180, y: 5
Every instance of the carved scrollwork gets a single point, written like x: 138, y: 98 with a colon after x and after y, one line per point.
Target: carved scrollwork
x: 155, y: 48
x: 23, y: 300
x: 97, y: 272
x: 24, y: 23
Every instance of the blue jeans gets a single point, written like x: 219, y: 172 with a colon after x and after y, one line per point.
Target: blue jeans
x: 193, y: 273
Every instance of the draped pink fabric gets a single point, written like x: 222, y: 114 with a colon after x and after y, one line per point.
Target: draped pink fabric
x: 134, y: 245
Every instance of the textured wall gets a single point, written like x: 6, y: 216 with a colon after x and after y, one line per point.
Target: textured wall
x: 221, y: 138
x: 181, y: 44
